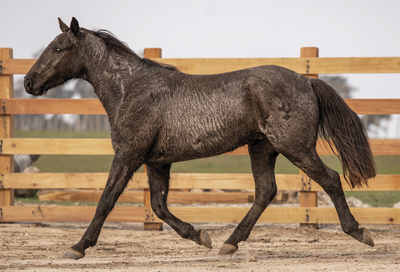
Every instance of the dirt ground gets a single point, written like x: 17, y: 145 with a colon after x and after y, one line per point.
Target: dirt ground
x: 127, y: 247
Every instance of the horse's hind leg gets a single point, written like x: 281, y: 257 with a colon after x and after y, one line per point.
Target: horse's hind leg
x: 263, y: 156
x: 310, y: 163
x: 159, y: 186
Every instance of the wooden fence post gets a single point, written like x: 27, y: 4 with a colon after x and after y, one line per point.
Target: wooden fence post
x: 6, y: 128
x: 150, y: 53
x: 308, y: 198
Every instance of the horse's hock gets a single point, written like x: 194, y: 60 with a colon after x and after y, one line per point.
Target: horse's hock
x: 307, y: 214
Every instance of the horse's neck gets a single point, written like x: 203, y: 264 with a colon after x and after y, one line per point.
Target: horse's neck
x: 108, y: 80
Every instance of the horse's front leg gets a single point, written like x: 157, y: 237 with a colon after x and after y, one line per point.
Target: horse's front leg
x: 122, y: 169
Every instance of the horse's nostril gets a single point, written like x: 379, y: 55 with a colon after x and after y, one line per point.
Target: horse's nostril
x: 28, y: 83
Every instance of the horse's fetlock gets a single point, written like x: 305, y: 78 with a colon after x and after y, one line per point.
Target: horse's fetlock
x: 352, y: 230
x: 190, y: 234
x: 347, y: 231
x: 91, y: 242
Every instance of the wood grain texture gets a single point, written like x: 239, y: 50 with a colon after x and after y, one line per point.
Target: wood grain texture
x: 174, y: 197
x: 307, y: 53
x: 65, y: 180
x: 366, y: 65
x: 285, y: 215
x: 16, y: 66
x: 305, y: 65
x: 217, y: 65
x: 181, y: 181
x: 52, y: 106
x: 74, y: 146
x: 6, y: 127
x: 56, y: 146
x: 374, y: 106
x: 93, y: 106
x: 68, y: 214
x: 378, y: 146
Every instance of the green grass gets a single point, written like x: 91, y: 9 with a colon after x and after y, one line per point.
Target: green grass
x: 35, y: 200
x: 69, y: 163
x: 219, y: 164
x: 376, y: 199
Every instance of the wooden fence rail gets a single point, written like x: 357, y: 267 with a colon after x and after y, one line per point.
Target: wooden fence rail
x: 303, y: 65
x: 309, y: 64
x: 74, y: 146
x: 291, y: 182
x: 93, y: 106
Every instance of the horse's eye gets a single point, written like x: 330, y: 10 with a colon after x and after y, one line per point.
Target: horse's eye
x: 58, y: 50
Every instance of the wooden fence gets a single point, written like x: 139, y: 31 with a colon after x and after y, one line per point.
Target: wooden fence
x: 308, y: 213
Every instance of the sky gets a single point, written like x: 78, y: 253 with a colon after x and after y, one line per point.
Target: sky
x: 223, y: 29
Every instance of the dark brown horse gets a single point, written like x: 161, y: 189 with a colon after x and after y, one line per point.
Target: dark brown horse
x: 159, y: 116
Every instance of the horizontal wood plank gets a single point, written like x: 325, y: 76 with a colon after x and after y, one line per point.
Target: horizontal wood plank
x: 16, y: 66
x: 300, y: 65
x: 374, y: 106
x: 181, y: 181
x: 286, y: 215
x: 63, y: 180
x: 87, y: 195
x: 139, y: 181
x: 222, y: 65
x: 52, y: 106
x: 46, y: 146
x: 69, y: 214
x: 197, y: 214
x: 364, y: 65
x: 136, y: 196
x: 70, y: 146
x: 386, y: 147
x: 73, y: 146
x: 93, y: 106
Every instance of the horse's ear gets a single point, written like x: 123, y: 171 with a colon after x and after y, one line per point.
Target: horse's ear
x: 74, y: 26
x: 63, y: 26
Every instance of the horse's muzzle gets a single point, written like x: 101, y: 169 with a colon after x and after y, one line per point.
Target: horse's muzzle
x: 28, y: 84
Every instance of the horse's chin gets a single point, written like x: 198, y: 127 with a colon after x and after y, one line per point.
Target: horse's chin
x: 38, y: 92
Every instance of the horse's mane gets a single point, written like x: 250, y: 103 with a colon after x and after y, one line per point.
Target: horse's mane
x: 117, y: 46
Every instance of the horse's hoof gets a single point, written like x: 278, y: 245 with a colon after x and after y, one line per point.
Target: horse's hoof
x: 202, y: 238
x: 227, y: 249
x: 367, y: 238
x: 205, y: 239
x: 73, y: 254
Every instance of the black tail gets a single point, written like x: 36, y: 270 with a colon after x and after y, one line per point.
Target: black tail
x: 347, y: 133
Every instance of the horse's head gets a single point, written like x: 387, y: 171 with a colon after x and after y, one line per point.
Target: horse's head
x: 59, y: 62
